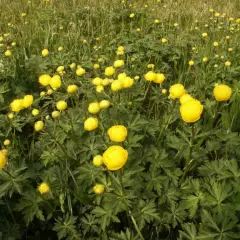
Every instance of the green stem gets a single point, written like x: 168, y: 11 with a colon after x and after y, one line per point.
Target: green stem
x: 129, y: 211
x: 189, y: 160
x: 8, y: 173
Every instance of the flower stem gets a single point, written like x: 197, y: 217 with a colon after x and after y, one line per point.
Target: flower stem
x: 129, y: 211
x: 189, y: 160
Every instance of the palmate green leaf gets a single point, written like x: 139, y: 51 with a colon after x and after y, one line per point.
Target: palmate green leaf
x: 146, y: 212
x: 217, y: 193
x: 29, y: 206
x: 66, y: 228
x: 105, y: 216
x: 212, y: 168
x: 89, y: 224
x: 188, y: 232
x: 14, y: 183
x: 128, y: 235
x: 219, y: 226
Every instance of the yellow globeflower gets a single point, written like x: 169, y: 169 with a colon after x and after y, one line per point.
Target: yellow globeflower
x: 164, y: 91
x: 118, y: 63
x: 4, y: 152
x: 45, y: 52
x: 56, y: 114
x: 98, y: 160
x: 94, y: 107
x: 104, y: 104
x: 8, y: 53
x: 3, y: 160
x: 176, y: 90
x: 127, y: 82
x: 185, y: 97
x: 35, y: 112
x: 150, y: 76
x: 42, y: 94
x: 117, y: 133
x: 109, y: 71
x: 97, y: 81
x: 105, y: 82
x: 55, y: 82
x: 38, y: 126
x: 49, y: 91
x: 10, y: 115
x: 99, y: 88
x: 121, y: 76
x: 116, y: 85
x: 72, y: 88
x: 90, y: 124
x: 205, y: 59
x: 191, y: 111
x: 43, y: 188
x: 27, y: 101
x: 72, y: 65
x: 96, y: 66
x: 132, y: 15
x: 44, y: 79
x: 98, y: 189
x: 159, y: 78
x: 60, y: 69
x: 222, y: 92
x: 191, y: 62
x: 228, y: 63
x: 164, y: 40
x: 204, y: 34
x: 61, y: 105
x: 80, y: 71
x: 215, y: 44
x: 115, y: 157
x: 16, y: 105
x: 6, y: 142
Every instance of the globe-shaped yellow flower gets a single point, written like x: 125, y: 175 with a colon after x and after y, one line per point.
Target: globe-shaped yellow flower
x: 8, y: 53
x: 35, y: 112
x: 222, y: 92
x: 44, y: 80
x: 43, y: 188
x: 127, y: 82
x: 115, y: 157
x: 61, y: 105
x: 191, y: 111
x: 99, y: 88
x: 55, y: 82
x: 97, y: 81
x: 6, y: 142
x: 98, y: 160
x: 117, y: 133
x: 91, y: 124
x: 72, y: 88
x: 94, y: 108
x: 159, y: 78
x: 176, y: 90
x: 27, y: 101
x: 56, y: 114
x: 104, y: 104
x: 185, y: 97
x: 118, y: 63
x: 105, y: 82
x: 116, y: 85
x: 109, y: 71
x: 80, y: 71
x: 98, y: 189
x: 38, y: 126
x: 45, y: 52
x: 150, y: 76
x: 3, y: 160
x: 16, y: 105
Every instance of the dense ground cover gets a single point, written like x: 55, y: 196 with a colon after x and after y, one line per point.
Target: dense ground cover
x: 119, y: 120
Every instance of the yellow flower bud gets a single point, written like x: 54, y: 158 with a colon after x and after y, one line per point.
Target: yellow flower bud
x: 94, y: 107
x: 56, y: 114
x: 97, y: 81
x: 38, y: 126
x: 159, y: 78
x: 43, y: 188
x: 118, y: 63
x: 191, y: 111
x: 27, y: 101
x: 176, y: 90
x: 44, y: 79
x: 115, y: 157
x: 3, y: 160
x: 104, y: 104
x: 98, y: 189
x: 6, y: 142
x: 150, y: 76
x: 222, y: 92
x: 16, y: 105
x: 45, y: 52
x: 72, y: 88
x: 61, y: 105
x: 117, y: 133
x: 80, y: 71
x: 55, y: 82
x: 116, y: 85
x: 91, y: 124
x: 109, y: 71
x: 98, y: 160
x: 35, y: 112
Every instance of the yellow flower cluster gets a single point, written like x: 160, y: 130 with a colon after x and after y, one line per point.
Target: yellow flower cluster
x: 18, y: 104
x: 154, y: 77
